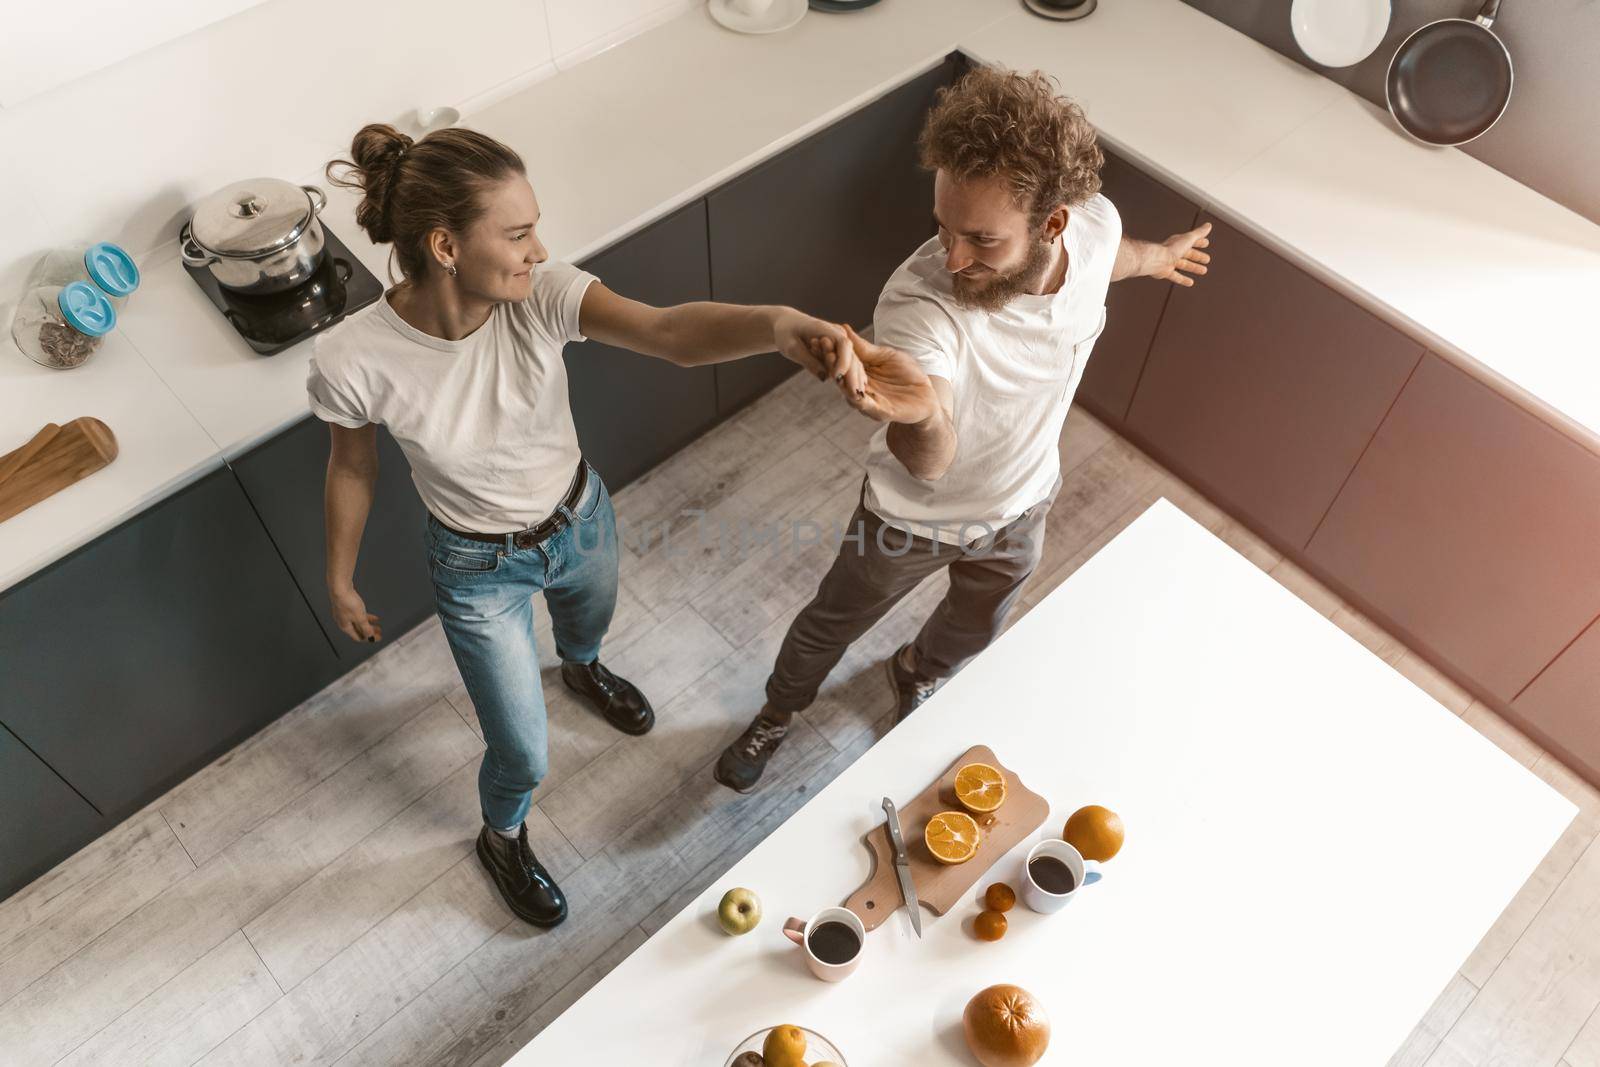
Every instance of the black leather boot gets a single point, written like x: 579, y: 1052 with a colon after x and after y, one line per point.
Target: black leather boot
x: 618, y: 699
x: 527, y: 888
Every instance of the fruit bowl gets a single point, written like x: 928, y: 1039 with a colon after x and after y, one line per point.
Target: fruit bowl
x: 818, y: 1048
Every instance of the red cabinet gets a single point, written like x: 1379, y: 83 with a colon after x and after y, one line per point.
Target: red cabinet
x: 1474, y: 527
x: 1263, y: 387
x: 1562, y: 705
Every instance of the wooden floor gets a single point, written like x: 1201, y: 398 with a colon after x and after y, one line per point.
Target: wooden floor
x: 312, y: 897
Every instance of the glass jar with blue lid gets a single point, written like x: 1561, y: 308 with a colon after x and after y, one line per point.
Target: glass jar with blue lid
x: 61, y: 326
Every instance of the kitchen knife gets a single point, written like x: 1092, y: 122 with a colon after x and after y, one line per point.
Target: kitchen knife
x: 902, y: 866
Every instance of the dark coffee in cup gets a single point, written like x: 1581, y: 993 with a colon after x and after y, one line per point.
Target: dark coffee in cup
x: 1051, y: 875
x: 834, y: 943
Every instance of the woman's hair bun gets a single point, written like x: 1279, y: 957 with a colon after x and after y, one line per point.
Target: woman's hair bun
x: 376, y: 155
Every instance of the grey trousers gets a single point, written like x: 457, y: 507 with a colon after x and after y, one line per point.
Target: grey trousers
x: 874, y: 570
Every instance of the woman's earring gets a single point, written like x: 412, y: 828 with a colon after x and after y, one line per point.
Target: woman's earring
x: 450, y: 268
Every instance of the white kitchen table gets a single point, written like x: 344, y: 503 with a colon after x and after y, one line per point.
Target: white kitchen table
x: 1314, y: 846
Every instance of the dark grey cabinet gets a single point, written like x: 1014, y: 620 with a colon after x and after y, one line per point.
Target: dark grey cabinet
x: 133, y: 662
x: 634, y: 411
x: 1152, y: 212
x: 284, y: 480
x: 42, y: 821
x: 1474, y: 528
x: 1263, y: 386
x: 822, y: 226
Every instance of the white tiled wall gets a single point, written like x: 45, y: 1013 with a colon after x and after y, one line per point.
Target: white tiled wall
x: 276, y: 90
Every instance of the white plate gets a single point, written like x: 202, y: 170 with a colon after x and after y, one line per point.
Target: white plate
x: 1339, y: 33
x: 779, y: 15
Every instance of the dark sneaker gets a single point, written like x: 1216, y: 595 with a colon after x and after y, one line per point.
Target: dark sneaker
x: 524, y: 884
x: 741, y: 763
x: 911, y: 691
x: 615, y: 698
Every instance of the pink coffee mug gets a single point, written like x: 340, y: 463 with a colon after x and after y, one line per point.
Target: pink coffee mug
x: 799, y: 932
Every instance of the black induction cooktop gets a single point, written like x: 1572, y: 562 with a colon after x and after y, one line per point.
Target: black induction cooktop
x: 271, y: 323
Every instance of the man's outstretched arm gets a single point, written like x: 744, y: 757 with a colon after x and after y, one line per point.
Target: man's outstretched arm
x: 1173, y: 259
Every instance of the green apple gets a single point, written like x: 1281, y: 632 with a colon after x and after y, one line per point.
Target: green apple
x: 739, y: 911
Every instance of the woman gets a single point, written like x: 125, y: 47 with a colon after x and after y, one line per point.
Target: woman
x: 462, y: 362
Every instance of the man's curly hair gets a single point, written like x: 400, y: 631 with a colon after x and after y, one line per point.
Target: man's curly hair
x: 1002, y: 123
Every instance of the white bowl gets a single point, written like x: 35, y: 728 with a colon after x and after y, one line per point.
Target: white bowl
x: 817, y: 1047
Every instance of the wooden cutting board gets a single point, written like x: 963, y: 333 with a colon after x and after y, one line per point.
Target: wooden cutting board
x: 53, y: 459
x: 940, y: 886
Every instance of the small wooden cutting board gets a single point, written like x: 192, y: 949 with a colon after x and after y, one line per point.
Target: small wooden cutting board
x: 940, y: 886
x: 53, y: 459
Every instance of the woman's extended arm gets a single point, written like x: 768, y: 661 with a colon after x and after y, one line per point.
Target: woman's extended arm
x: 692, y: 335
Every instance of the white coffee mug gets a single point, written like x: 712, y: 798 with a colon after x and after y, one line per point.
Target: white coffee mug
x: 800, y: 933
x: 1041, y: 899
x: 751, y: 8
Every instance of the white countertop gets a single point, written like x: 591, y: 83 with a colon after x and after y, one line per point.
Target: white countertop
x: 1483, y: 269
x: 1305, y: 866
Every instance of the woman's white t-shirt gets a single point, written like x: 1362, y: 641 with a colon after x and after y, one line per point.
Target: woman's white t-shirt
x: 484, y: 421
x: 1012, y: 373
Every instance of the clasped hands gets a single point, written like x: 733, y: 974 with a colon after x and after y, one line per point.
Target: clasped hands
x: 883, y: 383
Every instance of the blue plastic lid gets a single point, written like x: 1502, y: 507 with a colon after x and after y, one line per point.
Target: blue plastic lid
x: 112, y: 269
x: 86, y: 309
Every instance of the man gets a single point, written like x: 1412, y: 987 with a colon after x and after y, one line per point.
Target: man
x: 980, y: 342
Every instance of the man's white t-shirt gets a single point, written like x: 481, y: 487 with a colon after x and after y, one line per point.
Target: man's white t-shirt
x: 484, y: 421
x: 1012, y: 373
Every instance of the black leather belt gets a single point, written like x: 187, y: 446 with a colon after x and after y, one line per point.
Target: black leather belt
x: 535, y: 535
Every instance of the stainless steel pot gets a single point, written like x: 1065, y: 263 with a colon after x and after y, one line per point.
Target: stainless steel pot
x: 258, y: 236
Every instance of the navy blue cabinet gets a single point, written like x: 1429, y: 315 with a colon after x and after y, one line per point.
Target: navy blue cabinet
x: 138, y: 659
x: 284, y: 480
x: 822, y: 226
x: 42, y: 821
x: 634, y: 411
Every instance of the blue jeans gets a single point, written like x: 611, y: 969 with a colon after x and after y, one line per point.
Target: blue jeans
x: 484, y: 595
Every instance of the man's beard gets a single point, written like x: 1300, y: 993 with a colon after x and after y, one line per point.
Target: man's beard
x: 1000, y: 289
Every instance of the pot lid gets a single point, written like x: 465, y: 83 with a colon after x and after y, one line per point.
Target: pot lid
x: 251, y: 218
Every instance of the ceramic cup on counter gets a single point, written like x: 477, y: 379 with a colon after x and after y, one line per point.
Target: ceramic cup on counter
x: 832, y: 941
x: 1060, y: 873
x: 752, y: 8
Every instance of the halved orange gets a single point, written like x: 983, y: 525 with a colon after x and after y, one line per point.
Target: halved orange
x: 980, y: 788
x: 952, y: 837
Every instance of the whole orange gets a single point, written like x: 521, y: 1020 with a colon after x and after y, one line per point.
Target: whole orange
x: 785, y: 1047
x: 1000, y: 897
x: 1006, y: 1027
x: 1095, y: 832
x: 989, y: 926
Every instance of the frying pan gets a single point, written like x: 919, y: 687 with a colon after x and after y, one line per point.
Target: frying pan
x: 1451, y: 79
